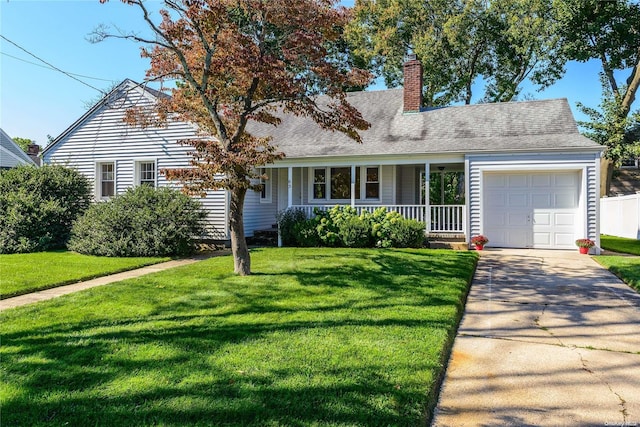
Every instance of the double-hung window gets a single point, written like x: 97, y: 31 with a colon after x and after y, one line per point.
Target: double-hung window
x: 265, y: 182
x: 106, y: 180
x: 372, y: 182
x: 320, y: 183
x: 146, y: 173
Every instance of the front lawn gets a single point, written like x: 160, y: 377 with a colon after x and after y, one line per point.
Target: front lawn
x: 24, y: 273
x: 626, y: 268
x: 620, y: 244
x: 323, y: 337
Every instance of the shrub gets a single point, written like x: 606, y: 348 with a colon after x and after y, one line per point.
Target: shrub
x: 39, y: 205
x: 287, y: 219
x: 342, y: 226
x: 406, y: 233
x: 355, y: 232
x: 306, y: 234
x: 392, y: 230
x: 143, y: 221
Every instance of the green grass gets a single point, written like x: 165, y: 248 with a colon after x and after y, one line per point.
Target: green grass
x: 620, y: 244
x: 315, y: 337
x: 24, y: 273
x: 625, y: 267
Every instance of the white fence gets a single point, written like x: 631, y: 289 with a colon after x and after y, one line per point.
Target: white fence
x: 620, y: 216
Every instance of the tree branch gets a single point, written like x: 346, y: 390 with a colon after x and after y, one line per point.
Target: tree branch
x: 633, y: 82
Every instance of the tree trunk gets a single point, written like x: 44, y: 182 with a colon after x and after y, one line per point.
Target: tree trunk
x: 606, y: 175
x: 241, y: 258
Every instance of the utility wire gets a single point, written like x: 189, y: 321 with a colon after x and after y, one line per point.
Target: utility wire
x: 49, y: 68
x: 51, y: 65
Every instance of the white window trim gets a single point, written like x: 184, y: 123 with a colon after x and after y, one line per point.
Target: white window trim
x: 364, y: 182
x: 98, y: 178
x: 136, y: 170
x: 268, y: 186
x: 327, y: 191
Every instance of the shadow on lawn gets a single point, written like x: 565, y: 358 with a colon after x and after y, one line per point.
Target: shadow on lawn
x: 184, y: 364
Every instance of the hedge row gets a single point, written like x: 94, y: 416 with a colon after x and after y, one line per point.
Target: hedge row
x: 50, y: 208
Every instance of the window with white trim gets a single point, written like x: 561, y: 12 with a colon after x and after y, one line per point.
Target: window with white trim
x: 334, y: 183
x: 320, y: 183
x: 372, y: 183
x: 266, y: 190
x: 146, y: 173
x: 106, y: 180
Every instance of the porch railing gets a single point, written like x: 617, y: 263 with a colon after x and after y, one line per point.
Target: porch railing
x: 447, y: 218
x: 444, y: 218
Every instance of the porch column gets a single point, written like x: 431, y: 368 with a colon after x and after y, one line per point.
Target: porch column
x: 289, y: 186
x: 427, y: 202
x: 353, y: 185
x: 302, y: 202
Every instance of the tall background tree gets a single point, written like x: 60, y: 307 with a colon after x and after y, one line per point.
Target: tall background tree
x: 608, y: 32
x: 493, y: 47
x: 501, y: 44
x: 237, y: 61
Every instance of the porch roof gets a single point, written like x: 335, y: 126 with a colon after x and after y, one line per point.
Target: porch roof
x: 498, y: 127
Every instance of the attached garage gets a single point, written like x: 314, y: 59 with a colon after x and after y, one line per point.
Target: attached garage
x: 534, y: 200
x: 532, y: 209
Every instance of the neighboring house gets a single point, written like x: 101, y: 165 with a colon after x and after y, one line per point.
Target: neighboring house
x: 11, y: 155
x: 530, y: 180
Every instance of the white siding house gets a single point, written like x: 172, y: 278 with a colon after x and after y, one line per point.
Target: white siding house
x: 530, y: 180
x: 116, y: 156
x: 527, y: 177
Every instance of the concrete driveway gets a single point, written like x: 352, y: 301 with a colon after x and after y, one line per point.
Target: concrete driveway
x: 549, y: 338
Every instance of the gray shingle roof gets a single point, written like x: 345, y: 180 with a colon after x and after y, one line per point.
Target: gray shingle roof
x: 12, y: 154
x: 503, y: 127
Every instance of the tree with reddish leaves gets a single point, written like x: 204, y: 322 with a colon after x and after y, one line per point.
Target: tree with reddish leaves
x: 237, y: 61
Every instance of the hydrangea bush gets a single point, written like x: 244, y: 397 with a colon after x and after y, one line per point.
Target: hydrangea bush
x: 342, y: 226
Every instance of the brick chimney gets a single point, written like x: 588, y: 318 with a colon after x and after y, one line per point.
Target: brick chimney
x: 32, y: 151
x: 412, y: 84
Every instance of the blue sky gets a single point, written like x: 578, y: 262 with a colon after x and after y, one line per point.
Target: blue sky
x: 36, y: 101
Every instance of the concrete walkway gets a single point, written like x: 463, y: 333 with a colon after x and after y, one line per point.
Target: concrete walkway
x: 105, y: 280
x: 549, y: 338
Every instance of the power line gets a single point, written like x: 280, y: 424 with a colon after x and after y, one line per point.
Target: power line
x: 51, y: 65
x: 49, y: 68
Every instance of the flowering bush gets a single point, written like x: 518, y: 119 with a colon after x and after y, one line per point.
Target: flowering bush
x: 342, y: 226
x: 479, y: 240
x: 585, y: 243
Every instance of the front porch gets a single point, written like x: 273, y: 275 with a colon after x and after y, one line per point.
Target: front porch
x: 397, y: 187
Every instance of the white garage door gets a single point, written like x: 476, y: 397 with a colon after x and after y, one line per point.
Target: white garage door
x: 531, y: 210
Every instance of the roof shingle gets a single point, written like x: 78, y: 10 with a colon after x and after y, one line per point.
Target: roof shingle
x: 509, y: 126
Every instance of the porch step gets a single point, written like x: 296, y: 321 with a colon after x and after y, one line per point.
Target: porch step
x: 446, y: 237
x: 267, y: 237
x: 456, y: 246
